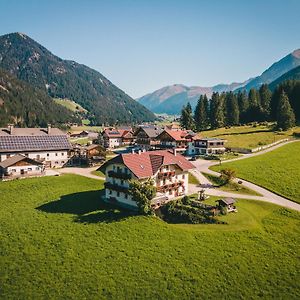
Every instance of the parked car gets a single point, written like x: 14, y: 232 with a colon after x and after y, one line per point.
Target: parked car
x: 193, y: 158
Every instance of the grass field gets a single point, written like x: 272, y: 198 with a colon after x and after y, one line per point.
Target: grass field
x: 87, y: 128
x: 71, y: 105
x: 193, y: 179
x: 98, y: 173
x: 278, y: 170
x: 248, y: 136
x: 229, y: 187
x: 59, y: 241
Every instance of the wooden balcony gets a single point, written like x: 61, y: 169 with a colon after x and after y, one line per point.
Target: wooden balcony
x: 166, y: 187
x: 119, y: 175
x: 115, y: 187
x: 166, y: 174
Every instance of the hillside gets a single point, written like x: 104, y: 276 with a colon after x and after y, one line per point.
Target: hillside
x: 26, y: 106
x: 31, y: 62
x: 276, y: 70
x: 170, y: 99
x: 293, y: 74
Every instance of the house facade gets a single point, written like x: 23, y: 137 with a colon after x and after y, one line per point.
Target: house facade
x: 47, y: 145
x: 146, y: 137
x: 113, y: 138
x: 167, y: 170
x: 19, y: 166
x: 176, y: 139
x: 206, y: 146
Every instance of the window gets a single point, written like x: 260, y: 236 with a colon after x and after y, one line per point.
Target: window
x: 8, y: 156
x: 29, y: 169
x: 56, y: 162
x: 114, y: 167
x: 126, y: 196
x: 122, y: 182
x: 48, y: 154
x: 62, y: 162
x: 37, y: 168
x: 109, y: 191
x: 26, y: 154
x: 13, y: 170
x: 62, y: 154
x: 56, y: 154
x: 118, y: 194
x: 170, y: 192
x: 183, y: 176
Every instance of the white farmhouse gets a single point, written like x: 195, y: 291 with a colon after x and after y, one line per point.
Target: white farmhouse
x: 167, y: 169
x: 47, y: 145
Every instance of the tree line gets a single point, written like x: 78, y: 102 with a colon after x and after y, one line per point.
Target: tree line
x: 230, y: 108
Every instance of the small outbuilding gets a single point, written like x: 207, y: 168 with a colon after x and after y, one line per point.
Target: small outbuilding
x: 228, y: 204
x: 19, y: 166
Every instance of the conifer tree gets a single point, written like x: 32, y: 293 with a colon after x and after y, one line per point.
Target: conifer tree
x: 216, y: 111
x: 201, y: 115
x: 243, y: 104
x: 232, y: 109
x: 265, y: 101
x: 186, y: 119
x: 253, y: 98
x: 285, y: 113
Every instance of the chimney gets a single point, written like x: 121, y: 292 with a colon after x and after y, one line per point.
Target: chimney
x: 174, y: 151
x: 49, y: 128
x: 139, y: 152
x: 10, y: 128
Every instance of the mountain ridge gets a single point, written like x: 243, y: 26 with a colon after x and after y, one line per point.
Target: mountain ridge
x: 29, y: 61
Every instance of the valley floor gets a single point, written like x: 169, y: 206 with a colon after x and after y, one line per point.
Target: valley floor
x: 58, y: 240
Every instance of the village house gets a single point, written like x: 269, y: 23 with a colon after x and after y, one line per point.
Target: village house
x: 19, y: 166
x: 146, y: 136
x: 114, y: 138
x: 227, y: 204
x: 206, y: 146
x: 167, y: 169
x: 176, y: 139
x: 47, y: 145
x: 78, y: 134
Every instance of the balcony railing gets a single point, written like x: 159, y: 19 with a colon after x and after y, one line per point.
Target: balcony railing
x: 166, y: 187
x: 119, y: 174
x: 166, y: 174
x: 116, y: 187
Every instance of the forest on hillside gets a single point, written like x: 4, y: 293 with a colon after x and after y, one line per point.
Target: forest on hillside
x: 229, y: 108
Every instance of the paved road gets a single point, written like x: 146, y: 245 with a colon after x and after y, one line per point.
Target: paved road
x: 81, y: 171
x: 203, y: 166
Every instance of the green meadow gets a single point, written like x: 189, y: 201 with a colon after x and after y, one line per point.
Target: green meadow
x: 277, y: 170
x: 58, y: 240
x: 249, y: 137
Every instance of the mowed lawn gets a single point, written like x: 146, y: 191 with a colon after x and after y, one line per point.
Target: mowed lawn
x: 59, y: 241
x: 249, y: 137
x: 278, y: 170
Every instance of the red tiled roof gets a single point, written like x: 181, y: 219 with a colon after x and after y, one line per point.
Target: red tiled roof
x: 146, y: 164
x: 177, y: 135
x: 116, y: 133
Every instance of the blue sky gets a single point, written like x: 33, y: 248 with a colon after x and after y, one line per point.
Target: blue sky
x: 144, y: 45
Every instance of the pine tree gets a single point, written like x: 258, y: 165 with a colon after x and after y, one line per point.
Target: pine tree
x: 285, y: 113
x: 201, y: 116
x: 253, y: 97
x: 265, y: 101
x: 243, y: 103
x: 232, y: 109
x: 217, y: 111
x: 186, y: 119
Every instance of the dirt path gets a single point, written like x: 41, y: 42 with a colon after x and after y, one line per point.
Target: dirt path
x: 81, y: 171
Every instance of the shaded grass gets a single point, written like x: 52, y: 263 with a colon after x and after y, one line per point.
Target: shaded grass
x: 58, y: 240
x: 98, y: 173
x: 193, y: 179
x: 278, y: 170
x: 229, y: 187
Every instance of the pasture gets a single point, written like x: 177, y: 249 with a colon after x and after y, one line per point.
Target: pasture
x: 278, y: 170
x: 58, y: 240
x: 249, y: 137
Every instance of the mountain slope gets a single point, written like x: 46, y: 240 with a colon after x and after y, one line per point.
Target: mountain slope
x: 31, y: 62
x: 170, y: 99
x: 293, y: 74
x: 26, y: 106
x: 276, y: 70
